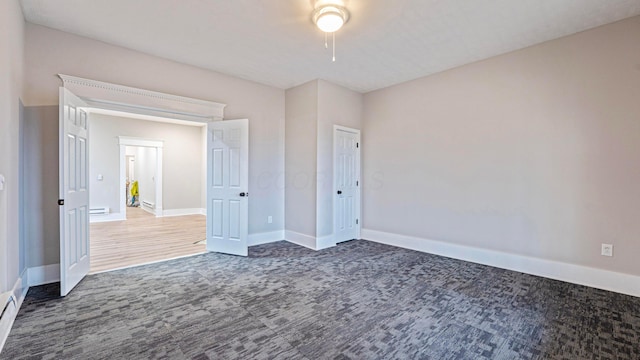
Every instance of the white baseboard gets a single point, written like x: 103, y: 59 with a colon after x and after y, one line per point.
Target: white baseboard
x: 46, y: 274
x: 149, y: 210
x: 307, y: 241
x: 109, y: 217
x: 265, y: 237
x: 14, y: 299
x: 183, y: 212
x: 325, y: 242
x: 21, y: 286
x: 577, y: 274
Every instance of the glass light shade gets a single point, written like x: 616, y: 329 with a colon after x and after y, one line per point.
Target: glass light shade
x: 330, y: 18
x: 330, y: 21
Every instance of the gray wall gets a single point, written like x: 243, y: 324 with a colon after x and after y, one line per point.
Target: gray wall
x: 336, y: 106
x: 301, y: 140
x: 49, y: 52
x: 11, y: 91
x: 536, y: 152
x: 42, y: 223
x: 182, y: 160
x: 311, y: 111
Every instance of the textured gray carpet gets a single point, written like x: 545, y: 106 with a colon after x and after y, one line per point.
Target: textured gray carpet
x: 359, y: 300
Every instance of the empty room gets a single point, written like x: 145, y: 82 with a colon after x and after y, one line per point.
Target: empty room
x: 337, y: 179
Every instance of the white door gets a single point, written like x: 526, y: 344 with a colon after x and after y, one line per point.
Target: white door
x: 227, y: 186
x: 346, y: 170
x: 74, y: 191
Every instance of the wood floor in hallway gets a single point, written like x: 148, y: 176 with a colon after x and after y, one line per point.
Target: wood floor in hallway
x: 144, y: 238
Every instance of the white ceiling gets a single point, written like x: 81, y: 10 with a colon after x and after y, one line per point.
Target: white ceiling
x: 274, y: 42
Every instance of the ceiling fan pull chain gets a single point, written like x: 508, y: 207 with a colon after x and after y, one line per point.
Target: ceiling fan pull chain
x: 334, y: 47
x: 326, y: 46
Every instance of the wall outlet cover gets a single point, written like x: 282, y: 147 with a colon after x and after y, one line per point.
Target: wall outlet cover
x: 607, y: 250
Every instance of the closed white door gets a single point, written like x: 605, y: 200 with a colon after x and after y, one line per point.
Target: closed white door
x: 74, y: 191
x: 346, y: 172
x: 227, y: 186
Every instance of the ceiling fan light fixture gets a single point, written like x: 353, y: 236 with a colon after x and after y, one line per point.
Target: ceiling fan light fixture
x: 330, y: 18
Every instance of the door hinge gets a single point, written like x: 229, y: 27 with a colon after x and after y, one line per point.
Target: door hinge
x: 357, y: 183
x: 357, y: 145
x: 60, y: 202
x: 356, y: 221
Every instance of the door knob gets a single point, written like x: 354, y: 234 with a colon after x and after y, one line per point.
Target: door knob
x: 242, y: 194
x: 339, y: 192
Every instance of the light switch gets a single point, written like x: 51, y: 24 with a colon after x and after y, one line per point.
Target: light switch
x: 100, y: 177
x: 1, y: 182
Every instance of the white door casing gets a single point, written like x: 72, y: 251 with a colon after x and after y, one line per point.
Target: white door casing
x: 74, y: 191
x: 346, y: 174
x: 227, y: 186
x: 158, y: 145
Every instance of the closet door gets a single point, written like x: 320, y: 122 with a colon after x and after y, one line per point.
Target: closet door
x: 227, y: 186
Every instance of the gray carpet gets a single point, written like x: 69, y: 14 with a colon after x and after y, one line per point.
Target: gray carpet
x: 359, y: 300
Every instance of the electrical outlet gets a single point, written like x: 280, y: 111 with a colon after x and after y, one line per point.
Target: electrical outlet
x: 269, y: 219
x: 607, y: 250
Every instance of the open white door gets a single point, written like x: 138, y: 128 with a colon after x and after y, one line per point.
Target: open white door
x: 227, y: 186
x: 74, y: 191
x: 346, y: 172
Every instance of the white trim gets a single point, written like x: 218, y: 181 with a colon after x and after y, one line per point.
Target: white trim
x: 135, y: 141
x: 159, y: 206
x: 6, y: 323
x: 107, y: 218
x: 183, y: 212
x: 337, y: 128
x: 21, y: 286
x: 41, y: 275
x: 577, y: 274
x: 325, y: 242
x: 140, y: 101
x: 123, y: 180
x: 130, y: 115
x: 300, y: 239
x: 14, y: 298
x: 265, y: 237
x: 308, y: 241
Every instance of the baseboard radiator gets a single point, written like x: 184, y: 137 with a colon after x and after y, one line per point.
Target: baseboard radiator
x: 148, y: 204
x: 8, y: 313
x: 99, y: 211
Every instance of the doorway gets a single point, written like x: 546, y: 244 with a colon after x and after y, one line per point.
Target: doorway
x: 141, y: 170
x: 78, y: 93
x: 130, y: 181
x: 346, y: 184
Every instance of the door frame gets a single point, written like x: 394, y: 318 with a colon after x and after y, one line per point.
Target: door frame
x: 356, y: 132
x: 123, y: 142
x: 107, y: 96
